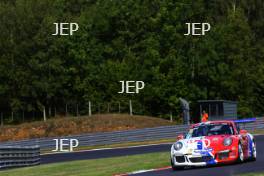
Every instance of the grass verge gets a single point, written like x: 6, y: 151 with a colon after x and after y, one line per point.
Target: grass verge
x: 95, y: 167
x: 259, y: 131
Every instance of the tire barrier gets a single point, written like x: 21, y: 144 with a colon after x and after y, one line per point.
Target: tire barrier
x: 11, y: 156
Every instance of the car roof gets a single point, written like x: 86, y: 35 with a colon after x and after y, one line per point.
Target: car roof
x: 213, y: 122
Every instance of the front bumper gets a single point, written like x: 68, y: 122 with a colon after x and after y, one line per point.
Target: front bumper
x: 224, y: 156
x: 189, y: 160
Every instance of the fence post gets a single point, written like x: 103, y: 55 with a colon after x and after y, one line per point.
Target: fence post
x: 170, y: 116
x: 119, y: 108
x: 12, y: 116
x: 44, y: 114
x: 77, y: 110
x: 108, y: 107
x: 2, y: 119
x: 23, y: 116
x: 66, y: 110
x: 33, y: 114
x: 90, y: 109
x: 55, y: 111
x: 130, y: 108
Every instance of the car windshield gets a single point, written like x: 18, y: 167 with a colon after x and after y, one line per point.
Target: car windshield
x: 210, y: 130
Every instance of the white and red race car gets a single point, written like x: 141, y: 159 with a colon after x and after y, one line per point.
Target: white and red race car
x: 213, y: 142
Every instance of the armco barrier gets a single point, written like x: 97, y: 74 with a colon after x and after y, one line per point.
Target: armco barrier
x: 147, y: 134
x: 15, y: 156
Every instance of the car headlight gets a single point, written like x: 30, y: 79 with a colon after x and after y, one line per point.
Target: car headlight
x: 178, y: 146
x: 227, y: 141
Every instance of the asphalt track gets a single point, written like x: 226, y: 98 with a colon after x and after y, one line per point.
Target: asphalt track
x: 106, y: 153
x: 201, y: 171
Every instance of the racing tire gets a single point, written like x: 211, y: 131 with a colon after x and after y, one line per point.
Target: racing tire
x: 240, y: 157
x: 254, y: 152
x: 176, y: 168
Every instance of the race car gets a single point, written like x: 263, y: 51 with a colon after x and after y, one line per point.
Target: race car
x: 211, y: 143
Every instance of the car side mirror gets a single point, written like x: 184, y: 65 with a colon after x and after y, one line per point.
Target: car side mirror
x: 243, y: 132
x: 179, y: 137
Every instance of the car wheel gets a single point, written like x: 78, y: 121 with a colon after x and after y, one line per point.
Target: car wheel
x: 254, y: 151
x: 175, y: 168
x: 240, y: 157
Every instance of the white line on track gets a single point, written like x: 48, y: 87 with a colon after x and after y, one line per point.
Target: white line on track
x: 143, y: 171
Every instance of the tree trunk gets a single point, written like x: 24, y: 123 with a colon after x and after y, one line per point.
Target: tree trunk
x: 33, y: 114
x: 12, y: 116
x: 66, y: 110
x: 49, y: 111
x: 77, y: 110
x: 2, y: 119
x: 234, y: 6
x: 55, y: 111
x: 23, y: 116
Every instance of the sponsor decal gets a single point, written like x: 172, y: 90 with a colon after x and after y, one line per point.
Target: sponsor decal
x: 203, y: 143
x: 203, y: 148
x: 200, y: 145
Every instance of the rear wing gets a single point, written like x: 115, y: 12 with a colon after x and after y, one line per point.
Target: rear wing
x: 243, y: 122
x: 248, y: 120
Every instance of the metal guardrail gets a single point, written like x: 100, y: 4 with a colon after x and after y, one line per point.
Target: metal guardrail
x: 12, y: 156
x: 107, y: 138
